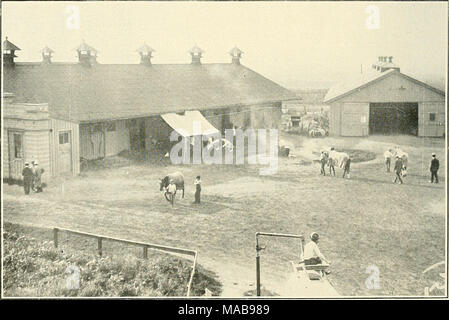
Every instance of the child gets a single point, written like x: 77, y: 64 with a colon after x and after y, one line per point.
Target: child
x: 197, y: 185
x: 347, y: 168
x: 388, y: 155
x: 171, y: 191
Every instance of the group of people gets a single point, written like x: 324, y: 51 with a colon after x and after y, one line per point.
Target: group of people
x: 329, y: 158
x: 32, y: 177
x: 400, y: 165
x: 171, y: 190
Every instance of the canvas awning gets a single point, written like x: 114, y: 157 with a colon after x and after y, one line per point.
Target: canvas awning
x: 191, y: 123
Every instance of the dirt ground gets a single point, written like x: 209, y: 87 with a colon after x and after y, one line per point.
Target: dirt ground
x: 363, y: 221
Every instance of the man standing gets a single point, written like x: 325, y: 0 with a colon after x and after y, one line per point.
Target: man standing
x: 434, y: 166
x: 33, y: 188
x: 388, y: 155
x: 37, y: 182
x: 27, y: 174
x: 347, y: 168
x: 323, y: 160
x: 398, y: 170
x: 197, y: 184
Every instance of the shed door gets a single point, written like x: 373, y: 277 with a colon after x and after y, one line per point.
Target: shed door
x: 16, y: 154
x: 355, y: 119
x: 65, y: 152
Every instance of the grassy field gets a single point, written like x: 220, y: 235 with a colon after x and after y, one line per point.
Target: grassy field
x: 364, y: 221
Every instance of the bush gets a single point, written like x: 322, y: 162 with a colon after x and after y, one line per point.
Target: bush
x: 357, y: 155
x: 33, y: 268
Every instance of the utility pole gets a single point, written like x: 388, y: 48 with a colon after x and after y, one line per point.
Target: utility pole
x: 260, y: 248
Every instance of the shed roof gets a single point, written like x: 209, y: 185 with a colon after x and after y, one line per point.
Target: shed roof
x: 47, y: 50
x: 352, y: 85
x: 116, y: 91
x: 8, y: 45
x: 145, y: 49
x: 85, y: 47
x: 25, y: 111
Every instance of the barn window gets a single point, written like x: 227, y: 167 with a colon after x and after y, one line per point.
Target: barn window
x: 98, y: 127
x: 110, y: 126
x: 63, y: 138
x: 18, y: 145
x: 295, y: 121
x: 432, y: 116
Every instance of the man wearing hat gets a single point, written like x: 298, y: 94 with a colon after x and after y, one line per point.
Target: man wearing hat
x: 27, y: 174
x: 37, y: 181
x: 434, y: 166
x: 398, y: 170
x: 312, y: 254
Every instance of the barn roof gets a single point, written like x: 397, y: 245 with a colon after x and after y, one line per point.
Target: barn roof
x: 116, y: 91
x: 348, y: 87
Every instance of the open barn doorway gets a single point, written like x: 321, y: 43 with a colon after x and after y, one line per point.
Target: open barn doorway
x: 393, y: 118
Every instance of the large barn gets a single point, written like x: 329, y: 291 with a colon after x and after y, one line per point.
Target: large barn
x: 98, y: 110
x: 390, y: 102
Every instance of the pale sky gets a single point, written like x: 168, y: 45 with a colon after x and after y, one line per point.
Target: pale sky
x: 296, y: 44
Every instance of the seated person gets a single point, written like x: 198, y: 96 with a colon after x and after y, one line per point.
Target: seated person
x: 312, y: 254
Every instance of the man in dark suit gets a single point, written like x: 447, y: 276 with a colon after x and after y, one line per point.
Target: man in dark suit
x: 398, y: 170
x: 434, y: 166
x: 28, y: 176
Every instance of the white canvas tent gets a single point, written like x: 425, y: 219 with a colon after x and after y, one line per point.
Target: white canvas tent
x: 191, y: 123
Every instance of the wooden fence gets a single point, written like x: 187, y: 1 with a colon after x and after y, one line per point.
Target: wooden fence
x: 145, y: 247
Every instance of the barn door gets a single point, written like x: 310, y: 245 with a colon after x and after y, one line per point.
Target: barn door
x: 431, y: 119
x: 16, y: 155
x: 65, y: 152
x: 355, y: 119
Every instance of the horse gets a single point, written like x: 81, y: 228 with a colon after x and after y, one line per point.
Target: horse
x: 338, y: 158
x: 178, y: 180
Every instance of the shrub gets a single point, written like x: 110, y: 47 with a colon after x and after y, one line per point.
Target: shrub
x: 33, y: 268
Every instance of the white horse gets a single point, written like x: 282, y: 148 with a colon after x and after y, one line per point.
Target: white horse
x: 339, y: 158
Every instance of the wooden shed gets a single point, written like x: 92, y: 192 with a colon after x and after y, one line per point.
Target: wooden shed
x: 387, y: 103
x: 30, y: 134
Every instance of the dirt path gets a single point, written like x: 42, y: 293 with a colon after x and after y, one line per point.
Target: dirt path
x: 359, y: 218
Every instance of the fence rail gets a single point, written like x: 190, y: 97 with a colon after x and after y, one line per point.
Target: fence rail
x: 145, y: 246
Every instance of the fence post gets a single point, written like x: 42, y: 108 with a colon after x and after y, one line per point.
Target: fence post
x: 55, y: 237
x: 100, y: 246
x: 145, y: 252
